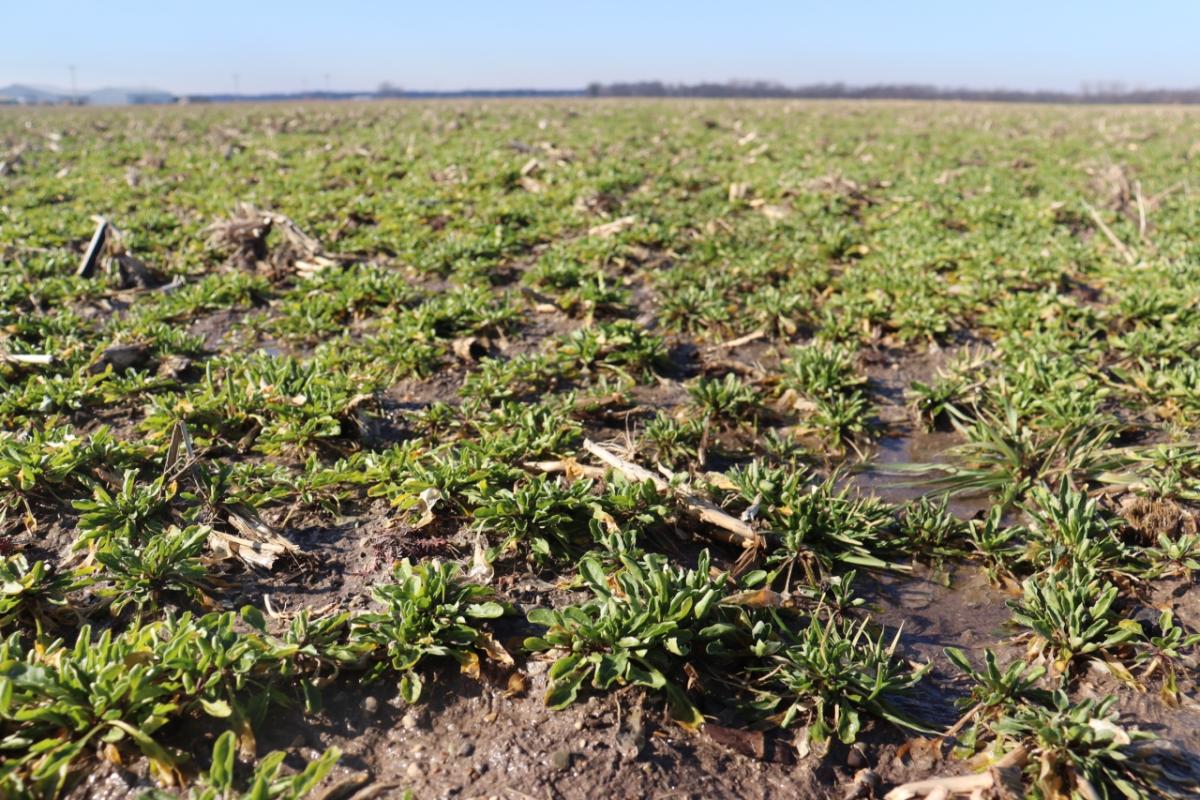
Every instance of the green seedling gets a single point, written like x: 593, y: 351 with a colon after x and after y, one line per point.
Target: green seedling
x: 1071, y: 620
x: 269, y: 781
x: 637, y: 630
x: 428, y: 613
x: 829, y: 674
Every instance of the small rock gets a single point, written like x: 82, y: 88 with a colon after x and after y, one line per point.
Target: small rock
x: 414, y: 770
x: 371, y: 704
x: 414, y: 719
x: 537, y: 667
x: 856, y: 758
x: 465, y: 750
x: 560, y: 760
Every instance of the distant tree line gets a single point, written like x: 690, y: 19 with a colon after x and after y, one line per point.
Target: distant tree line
x: 1097, y: 93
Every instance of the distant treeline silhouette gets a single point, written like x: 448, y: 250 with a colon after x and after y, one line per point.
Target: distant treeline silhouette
x: 1100, y: 93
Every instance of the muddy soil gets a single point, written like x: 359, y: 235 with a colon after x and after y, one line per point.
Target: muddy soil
x: 495, y: 738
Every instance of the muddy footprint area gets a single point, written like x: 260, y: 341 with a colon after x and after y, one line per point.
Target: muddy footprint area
x: 472, y: 740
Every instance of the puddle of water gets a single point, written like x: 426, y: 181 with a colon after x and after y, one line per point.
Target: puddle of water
x: 968, y: 613
x: 922, y: 447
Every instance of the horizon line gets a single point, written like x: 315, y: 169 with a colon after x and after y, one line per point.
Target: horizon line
x: 1097, y: 92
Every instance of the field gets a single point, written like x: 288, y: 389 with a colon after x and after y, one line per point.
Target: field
x: 577, y: 449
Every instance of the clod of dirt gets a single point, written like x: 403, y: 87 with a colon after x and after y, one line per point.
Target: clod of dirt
x: 174, y: 366
x: 748, y: 743
x: 866, y: 784
x: 134, y: 274
x: 560, y: 760
x: 120, y: 357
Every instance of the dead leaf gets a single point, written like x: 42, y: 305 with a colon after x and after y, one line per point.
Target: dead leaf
x: 494, y: 650
x: 309, y: 267
x: 173, y: 366
x: 606, y: 519
x: 610, y: 228
x: 469, y: 666
x: 258, y: 544
x: 791, y: 400
x: 720, y: 480
x: 181, y: 454
x: 481, y: 569
x: 759, y: 598
x: 424, y: 507
x: 518, y: 684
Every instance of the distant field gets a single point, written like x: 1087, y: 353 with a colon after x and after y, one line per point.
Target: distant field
x: 539, y: 449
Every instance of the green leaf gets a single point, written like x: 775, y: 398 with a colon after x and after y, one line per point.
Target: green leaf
x: 216, y: 708
x: 490, y: 610
x: 682, y: 710
x: 220, y: 775
x: 536, y: 644
x: 542, y: 616
x: 563, y: 665
x: 594, y: 574
x: 410, y: 687
x: 254, y: 618
x: 562, y: 692
x: 609, y: 669
x: 959, y: 659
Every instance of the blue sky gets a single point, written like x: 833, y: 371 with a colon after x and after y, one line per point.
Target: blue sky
x: 195, y: 46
